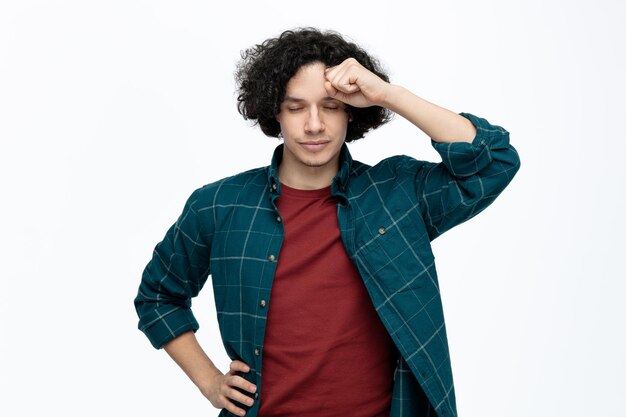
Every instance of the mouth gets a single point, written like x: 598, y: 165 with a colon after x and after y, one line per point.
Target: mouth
x: 315, y: 146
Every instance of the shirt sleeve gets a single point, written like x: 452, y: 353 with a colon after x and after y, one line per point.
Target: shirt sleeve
x: 469, y: 178
x: 177, y: 271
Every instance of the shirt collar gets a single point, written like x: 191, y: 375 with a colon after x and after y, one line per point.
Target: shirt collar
x: 338, y: 185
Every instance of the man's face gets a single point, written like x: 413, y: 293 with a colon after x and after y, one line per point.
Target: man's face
x: 313, y: 125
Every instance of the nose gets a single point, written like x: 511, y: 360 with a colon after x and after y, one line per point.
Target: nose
x: 314, y: 123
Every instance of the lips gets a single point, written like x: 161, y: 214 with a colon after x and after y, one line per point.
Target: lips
x: 315, y: 146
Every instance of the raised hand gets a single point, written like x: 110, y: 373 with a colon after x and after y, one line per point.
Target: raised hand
x: 355, y: 85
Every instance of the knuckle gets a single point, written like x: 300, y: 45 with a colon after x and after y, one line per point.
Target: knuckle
x: 235, y: 381
x: 235, y: 410
x: 232, y: 407
x: 231, y: 381
x: 237, y: 396
x: 225, y: 385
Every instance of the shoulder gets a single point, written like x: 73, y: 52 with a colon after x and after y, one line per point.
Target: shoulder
x: 393, y: 166
x: 385, y: 181
x: 229, y: 188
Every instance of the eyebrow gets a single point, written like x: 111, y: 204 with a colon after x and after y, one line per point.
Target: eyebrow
x: 300, y: 100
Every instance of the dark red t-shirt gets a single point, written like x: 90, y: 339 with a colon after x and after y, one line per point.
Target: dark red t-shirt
x: 326, y: 352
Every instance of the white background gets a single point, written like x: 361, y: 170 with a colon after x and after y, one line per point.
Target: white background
x: 112, y: 113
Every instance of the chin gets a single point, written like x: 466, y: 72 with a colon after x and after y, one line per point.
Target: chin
x: 315, y: 162
x: 312, y: 159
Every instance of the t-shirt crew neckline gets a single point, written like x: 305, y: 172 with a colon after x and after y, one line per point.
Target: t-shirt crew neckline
x: 308, y: 194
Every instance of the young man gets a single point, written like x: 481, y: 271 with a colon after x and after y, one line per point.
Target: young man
x: 324, y: 279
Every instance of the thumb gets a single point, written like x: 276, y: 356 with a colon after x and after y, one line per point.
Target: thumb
x: 332, y: 91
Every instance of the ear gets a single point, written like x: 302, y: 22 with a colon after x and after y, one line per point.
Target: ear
x: 350, y: 115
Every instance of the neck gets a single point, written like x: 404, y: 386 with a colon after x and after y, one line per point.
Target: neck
x: 306, y: 177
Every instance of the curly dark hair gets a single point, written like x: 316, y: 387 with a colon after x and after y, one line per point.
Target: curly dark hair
x: 264, y: 70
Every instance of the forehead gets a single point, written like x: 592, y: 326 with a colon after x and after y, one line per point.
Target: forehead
x: 307, y: 82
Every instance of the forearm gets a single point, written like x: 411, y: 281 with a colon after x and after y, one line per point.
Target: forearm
x: 189, y: 355
x: 440, y: 124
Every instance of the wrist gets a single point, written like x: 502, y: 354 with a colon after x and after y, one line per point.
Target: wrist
x: 392, y: 95
x: 208, y: 380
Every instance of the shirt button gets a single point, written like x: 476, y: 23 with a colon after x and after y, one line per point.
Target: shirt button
x: 257, y: 351
x: 381, y: 230
x: 263, y: 303
x: 256, y: 395
x: 274, y: 187
x: 271, y: 258
x: 278, y: 219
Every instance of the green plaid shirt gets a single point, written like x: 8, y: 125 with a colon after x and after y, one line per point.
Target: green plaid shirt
x: 388, y: 214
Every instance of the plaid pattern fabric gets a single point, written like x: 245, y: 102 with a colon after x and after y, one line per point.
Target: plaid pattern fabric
x: 388, y: 214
